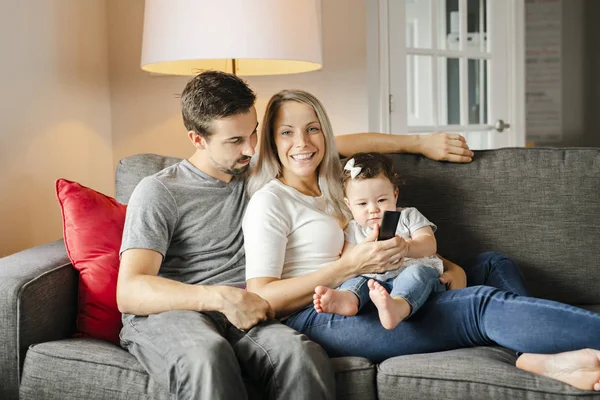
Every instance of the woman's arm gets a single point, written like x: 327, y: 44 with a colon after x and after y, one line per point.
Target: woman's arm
x: 289, y: 295
x: 453, y: 276
x: 437, y: 146
x: 422, y: 244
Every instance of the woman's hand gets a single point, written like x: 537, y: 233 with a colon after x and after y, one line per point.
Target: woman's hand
x: 372, y: 256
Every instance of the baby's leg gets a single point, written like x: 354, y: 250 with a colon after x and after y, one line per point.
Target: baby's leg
x: 409, y: 291
x: 392, y: 310
x: 347, y: 300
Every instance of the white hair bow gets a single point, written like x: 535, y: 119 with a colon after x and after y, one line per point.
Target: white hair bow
x: 354, y: 171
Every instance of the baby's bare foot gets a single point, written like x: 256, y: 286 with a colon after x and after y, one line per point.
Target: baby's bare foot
x: 392, y: 310
x: 579, y: 368
x: 331, y: 301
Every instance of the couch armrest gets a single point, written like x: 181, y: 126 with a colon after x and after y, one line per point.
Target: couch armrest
x: 38, y: 303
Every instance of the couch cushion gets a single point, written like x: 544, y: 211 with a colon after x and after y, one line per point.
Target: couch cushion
x: 85, y: 369
x: 476, y: 373
x: 92, y: 229
x: 93, y: 369
x: 538, y: 206
x: 131, y: 170
x: 89, y: 369
x: 354, y: 378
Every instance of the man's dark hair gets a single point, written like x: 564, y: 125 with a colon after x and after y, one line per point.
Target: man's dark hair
x: 213, y: 95
x: 371, y: 166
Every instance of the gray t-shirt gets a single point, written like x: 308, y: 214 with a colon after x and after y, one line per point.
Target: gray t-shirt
x: 194, y: 221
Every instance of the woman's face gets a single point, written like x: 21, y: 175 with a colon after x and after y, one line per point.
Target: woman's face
x: 299, y: 140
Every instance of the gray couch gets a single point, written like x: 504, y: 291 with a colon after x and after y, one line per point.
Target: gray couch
x: 539, y: 206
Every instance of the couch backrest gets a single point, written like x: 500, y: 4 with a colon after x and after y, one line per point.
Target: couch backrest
x: 131, y: 170
x: 540, y: 206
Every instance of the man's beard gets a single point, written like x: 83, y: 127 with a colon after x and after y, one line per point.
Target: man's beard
x: 232, y: 170
x: 237, y: 171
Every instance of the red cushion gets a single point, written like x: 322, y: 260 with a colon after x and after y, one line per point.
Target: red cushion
x: 92, y: 229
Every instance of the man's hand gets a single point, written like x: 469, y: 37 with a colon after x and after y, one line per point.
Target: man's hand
x: 454, y: 277
x: 244, y: 309
x: 372, y: 256
x: 443, y: 146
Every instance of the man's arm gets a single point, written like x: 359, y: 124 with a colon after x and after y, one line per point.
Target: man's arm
x: 437, y: 146
x: 141, y: 292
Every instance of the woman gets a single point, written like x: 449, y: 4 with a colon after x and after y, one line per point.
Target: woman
x: 294, y: 243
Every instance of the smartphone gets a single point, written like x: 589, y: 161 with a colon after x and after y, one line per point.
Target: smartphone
x: 389, y: 223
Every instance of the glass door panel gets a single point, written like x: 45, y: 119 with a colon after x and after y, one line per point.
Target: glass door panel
x: 448, y: 91
x: 448, y: 25
x: 418, y: 24
x: 448, y: 58
x: 419, y: 91
x: 477, y: 25
x: 478, y: 105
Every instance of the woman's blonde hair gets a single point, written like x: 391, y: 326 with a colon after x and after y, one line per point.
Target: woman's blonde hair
x: 329, y: 171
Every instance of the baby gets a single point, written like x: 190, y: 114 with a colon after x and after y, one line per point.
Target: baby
x: 371, y: 187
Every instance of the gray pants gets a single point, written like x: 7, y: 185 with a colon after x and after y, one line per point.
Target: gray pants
x: 202, y: 356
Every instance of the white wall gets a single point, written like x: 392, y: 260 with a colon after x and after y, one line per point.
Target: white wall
x: 145, y: 110
x: 54, y: 112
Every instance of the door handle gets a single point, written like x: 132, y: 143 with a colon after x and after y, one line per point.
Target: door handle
x: 500, y: 125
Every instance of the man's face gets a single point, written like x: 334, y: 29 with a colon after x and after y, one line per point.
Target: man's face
x: 232, y: 144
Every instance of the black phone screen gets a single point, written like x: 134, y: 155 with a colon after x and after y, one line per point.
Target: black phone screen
x: 389, y: 223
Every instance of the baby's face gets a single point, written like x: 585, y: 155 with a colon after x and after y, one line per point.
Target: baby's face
x: 369, y: 198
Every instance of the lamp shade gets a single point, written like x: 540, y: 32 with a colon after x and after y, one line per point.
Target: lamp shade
x: 258, y: 37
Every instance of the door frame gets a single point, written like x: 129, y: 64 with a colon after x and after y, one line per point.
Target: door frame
x: 378, y: 71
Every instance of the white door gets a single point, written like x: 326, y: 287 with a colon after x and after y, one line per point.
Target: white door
x: 452, y: 66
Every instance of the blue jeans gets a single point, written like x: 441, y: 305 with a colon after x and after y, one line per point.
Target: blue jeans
x: 474, y: 316
x: 415, y: 283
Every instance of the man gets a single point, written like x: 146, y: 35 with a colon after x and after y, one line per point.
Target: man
x: 186, y: 318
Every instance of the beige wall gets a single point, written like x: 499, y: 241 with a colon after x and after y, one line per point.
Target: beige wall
x: 75, y: 100
x: 54, y: 112
x: 145, y: 110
